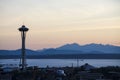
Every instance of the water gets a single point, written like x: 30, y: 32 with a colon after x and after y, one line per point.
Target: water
x: 64, y: 62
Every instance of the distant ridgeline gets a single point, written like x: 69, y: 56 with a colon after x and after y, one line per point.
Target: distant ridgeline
x: 89, y: 51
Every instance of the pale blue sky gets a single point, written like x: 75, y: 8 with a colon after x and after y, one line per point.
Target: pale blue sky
x: 56, y: 22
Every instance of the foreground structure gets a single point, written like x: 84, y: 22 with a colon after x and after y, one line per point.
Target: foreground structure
x: 62, y: 73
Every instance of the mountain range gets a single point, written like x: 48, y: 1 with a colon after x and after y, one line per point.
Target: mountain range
x: 73, y: 48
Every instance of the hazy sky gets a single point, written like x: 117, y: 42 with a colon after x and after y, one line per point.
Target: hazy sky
x: 56, y: 22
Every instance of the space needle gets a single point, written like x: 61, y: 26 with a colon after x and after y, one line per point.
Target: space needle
x: 23, y: 31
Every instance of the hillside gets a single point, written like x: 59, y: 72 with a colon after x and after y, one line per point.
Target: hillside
x: 68, y: 49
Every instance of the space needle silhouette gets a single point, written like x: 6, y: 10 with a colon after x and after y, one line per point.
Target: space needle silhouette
x: 23, y: 31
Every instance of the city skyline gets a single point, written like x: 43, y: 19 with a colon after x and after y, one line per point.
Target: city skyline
x: 53, y: 23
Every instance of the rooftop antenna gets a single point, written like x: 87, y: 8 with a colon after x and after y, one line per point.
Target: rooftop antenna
x: 23, y: 23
